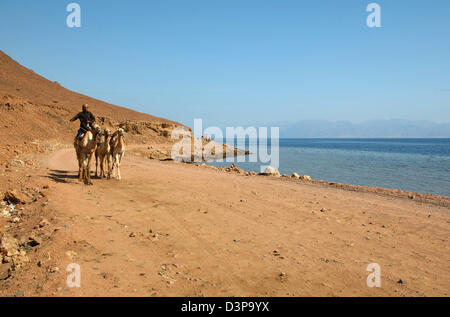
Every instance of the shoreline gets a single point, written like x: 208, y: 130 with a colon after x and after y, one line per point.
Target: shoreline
x: 439, y: 200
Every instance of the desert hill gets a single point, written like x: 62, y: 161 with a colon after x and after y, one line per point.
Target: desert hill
x: 16, y: 79
x: 35, y: 111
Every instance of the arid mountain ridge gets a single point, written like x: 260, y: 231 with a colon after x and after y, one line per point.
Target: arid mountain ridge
x: 34, y: 110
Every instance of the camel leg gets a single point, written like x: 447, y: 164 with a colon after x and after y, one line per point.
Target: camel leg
x: 106, y: 167
x: 89, y: 182
x: 79, y: 163
x: 108, y: 162
x: 80, y: 169
x: 102, y: 166
x: 96, y: 165
x: 85, y: 176
x: 113, y: 166
x: 83, y: 168
x: 118, y: 159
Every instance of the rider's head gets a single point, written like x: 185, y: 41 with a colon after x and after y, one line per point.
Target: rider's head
x: 85, y: 107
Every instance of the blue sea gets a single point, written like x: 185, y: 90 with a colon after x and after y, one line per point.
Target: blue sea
x: 420, y: 165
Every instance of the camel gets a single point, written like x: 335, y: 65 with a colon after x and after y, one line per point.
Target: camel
x: 117, y: 151
x: 85, y: 148
x: 102, y: 154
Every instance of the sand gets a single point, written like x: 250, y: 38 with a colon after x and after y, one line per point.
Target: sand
x: 175, y: 229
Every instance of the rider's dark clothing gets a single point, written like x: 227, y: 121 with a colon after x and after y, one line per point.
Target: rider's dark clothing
x: 84, y: 117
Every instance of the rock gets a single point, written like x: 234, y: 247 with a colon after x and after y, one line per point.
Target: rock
x: 401, y: 281
x: 270, y: 171
x: 9, y: 246
x: 19, y: 293
x: 43, y: 223
x: 295, y: 175
x: 234, y: 168
x: 71, y: 254
x: 13, y: 196
x: 29, y: 162
x: 252, y: 173
x: 19, y: 260
x: 34, y: 241
x: 237, y: 240
x: 5, y: 271
x: 16, y: 163
x: 132, y: 235
x: 305, y: 177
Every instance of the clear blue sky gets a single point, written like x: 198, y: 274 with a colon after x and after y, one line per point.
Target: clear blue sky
x: 243, y: 61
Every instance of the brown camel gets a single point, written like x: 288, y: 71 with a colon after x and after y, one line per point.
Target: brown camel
x: 85, y: 148
x: 117, y: 151
x: 103, y: 155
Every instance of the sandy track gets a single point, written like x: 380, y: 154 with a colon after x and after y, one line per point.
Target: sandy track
x: 196, y: 231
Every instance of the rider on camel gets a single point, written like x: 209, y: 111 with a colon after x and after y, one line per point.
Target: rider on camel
x: 86, y: 120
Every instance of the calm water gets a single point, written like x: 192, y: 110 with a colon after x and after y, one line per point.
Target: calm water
x: 421, y: 165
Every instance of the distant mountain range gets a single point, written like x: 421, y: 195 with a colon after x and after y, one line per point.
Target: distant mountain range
x: 395, y: 128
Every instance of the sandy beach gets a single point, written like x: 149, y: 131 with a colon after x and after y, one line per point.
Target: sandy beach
x: 174, y: 229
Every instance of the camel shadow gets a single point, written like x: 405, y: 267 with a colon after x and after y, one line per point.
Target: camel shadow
x: 66, y: 177
x: 61, y: 176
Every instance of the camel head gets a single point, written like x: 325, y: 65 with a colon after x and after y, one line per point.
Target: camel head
x: 120, y: 132
x: 107, y: 132
x: 96, y: 129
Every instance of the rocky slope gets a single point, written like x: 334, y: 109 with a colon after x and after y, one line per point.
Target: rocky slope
x: 34, y: 113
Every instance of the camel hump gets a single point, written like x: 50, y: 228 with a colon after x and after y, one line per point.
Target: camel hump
x: 85, y: 137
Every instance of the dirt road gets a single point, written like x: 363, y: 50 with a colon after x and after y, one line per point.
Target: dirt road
x: 172, y: 229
